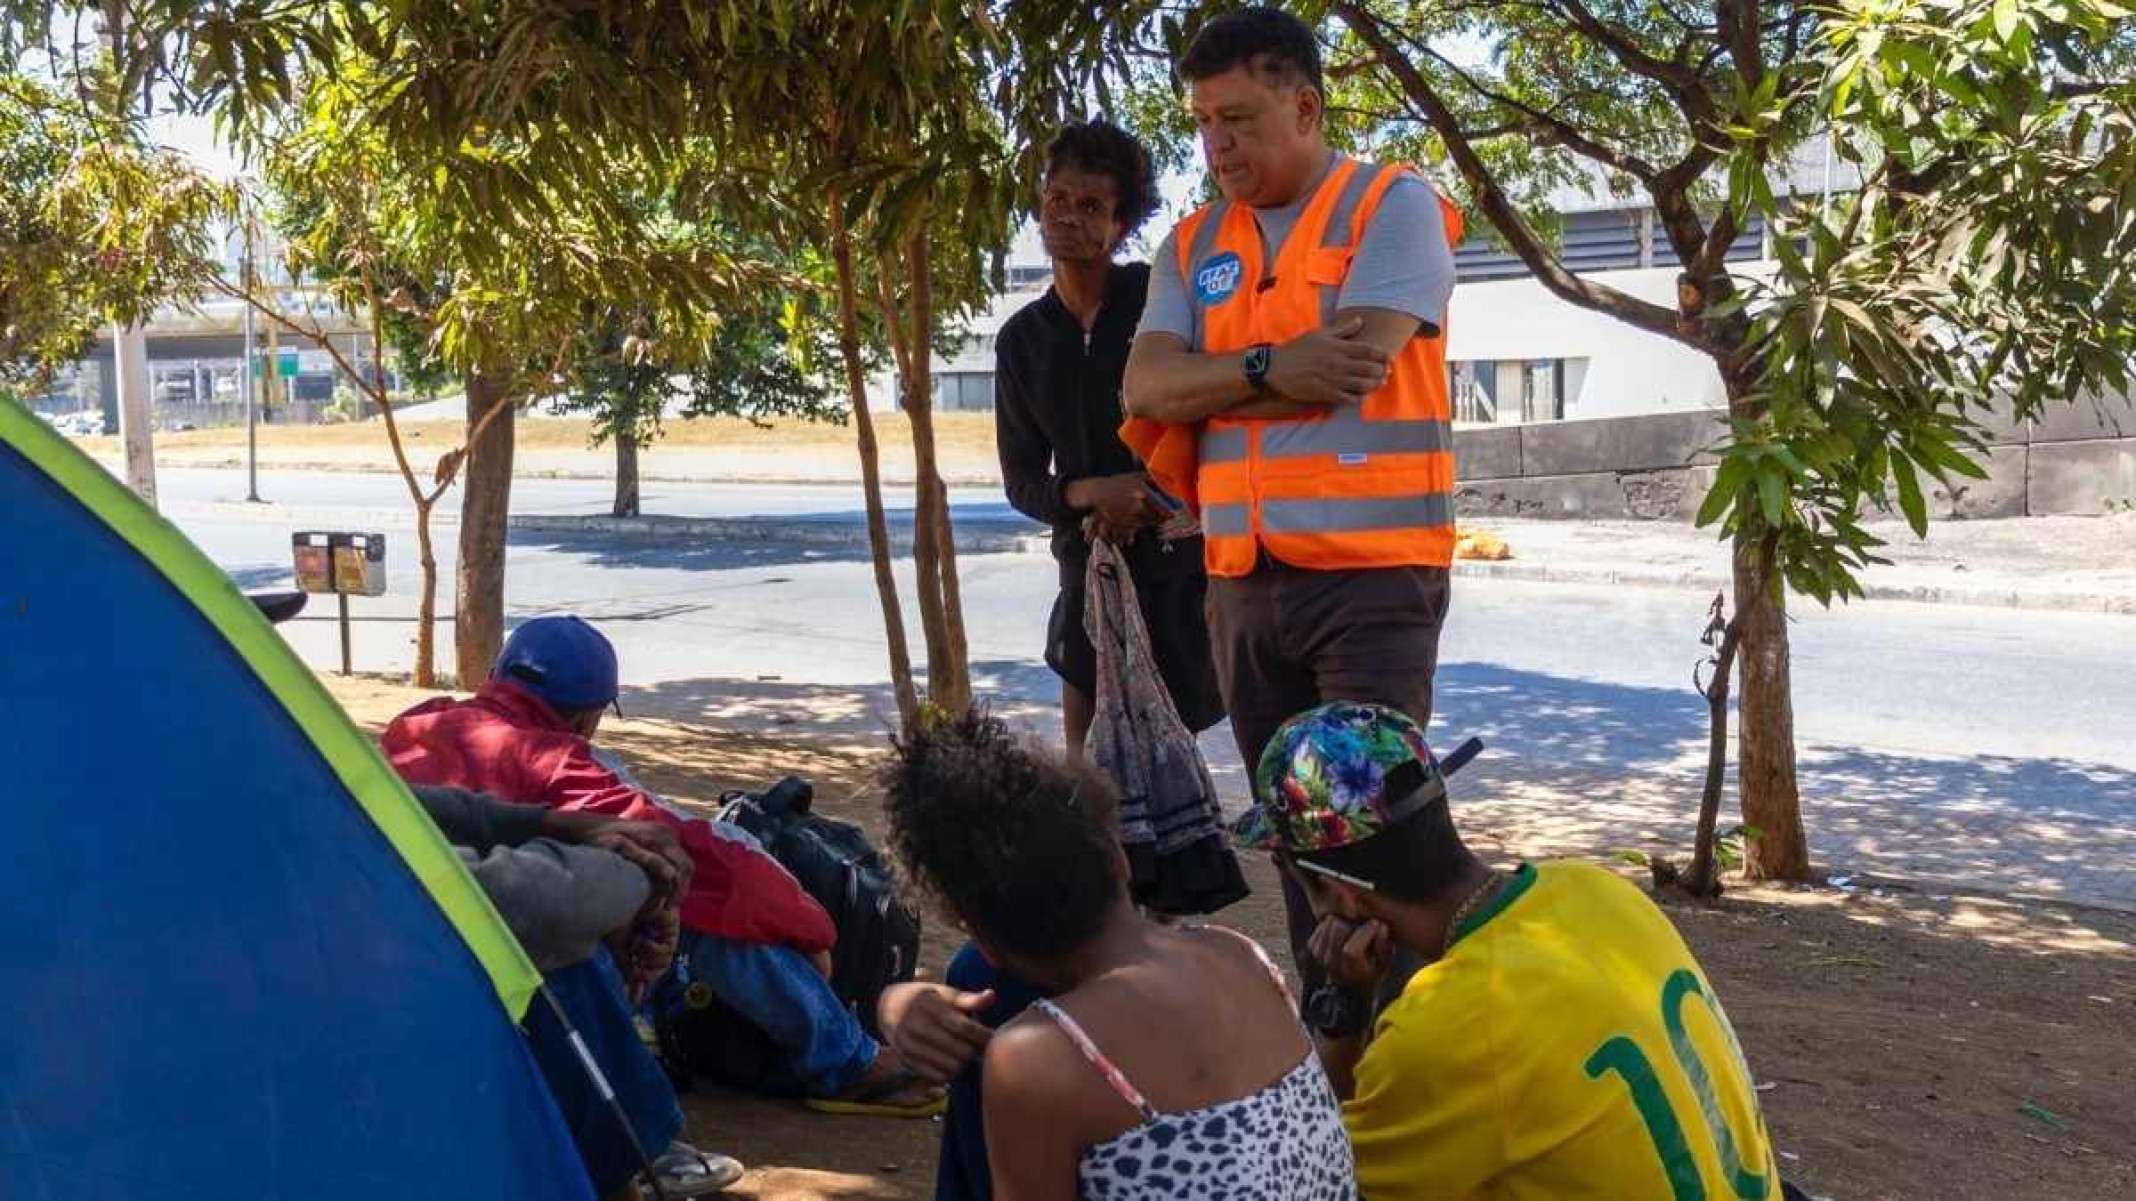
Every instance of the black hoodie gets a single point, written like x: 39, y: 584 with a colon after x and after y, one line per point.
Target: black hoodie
x: 1057, y: 416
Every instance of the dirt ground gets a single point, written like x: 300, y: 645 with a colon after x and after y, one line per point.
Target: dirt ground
x: 1906, y: 1045
x: 707, y: 448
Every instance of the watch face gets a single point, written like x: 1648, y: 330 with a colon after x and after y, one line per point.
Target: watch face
x: 1257, y: 361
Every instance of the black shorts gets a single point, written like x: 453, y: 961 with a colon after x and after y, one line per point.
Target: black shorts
x: 1172, y: 609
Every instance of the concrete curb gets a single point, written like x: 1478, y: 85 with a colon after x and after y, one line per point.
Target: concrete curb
x: 1707, y: 581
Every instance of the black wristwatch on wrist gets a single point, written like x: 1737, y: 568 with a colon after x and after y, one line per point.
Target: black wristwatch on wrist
x: 1335, y: 1012
x: 1258, y: 357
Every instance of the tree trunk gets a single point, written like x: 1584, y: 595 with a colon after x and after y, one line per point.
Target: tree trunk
x: 478, y: 620
x: 1765, y: 754
x: 949, y: 683
x: 626, y: 474
x: 426, y: 605
x: 1701, y: 880
x: 871, y: 475
x: 953, y: 594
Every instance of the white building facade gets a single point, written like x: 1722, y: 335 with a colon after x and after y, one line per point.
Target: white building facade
x: 1518, y: 353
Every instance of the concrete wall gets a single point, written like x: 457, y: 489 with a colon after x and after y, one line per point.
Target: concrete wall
x: 2077, y: 459
x: 1627, y: 370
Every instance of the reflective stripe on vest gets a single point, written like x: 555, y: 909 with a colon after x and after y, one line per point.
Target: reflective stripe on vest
x: 1343, y: 432
x: 1339, y: 229
x: 1331, y: 516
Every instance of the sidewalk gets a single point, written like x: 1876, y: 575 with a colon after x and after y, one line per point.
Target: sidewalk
x: 2085, y: 564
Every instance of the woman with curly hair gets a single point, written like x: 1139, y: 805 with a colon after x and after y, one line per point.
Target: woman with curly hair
x: 1157, y: 1061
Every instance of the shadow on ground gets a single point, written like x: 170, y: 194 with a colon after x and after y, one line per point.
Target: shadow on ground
x: 262, y: 575
x: 680, y: 552
x: 1578, y: 767
x: 839, y: 540
x: 1973, y: 1043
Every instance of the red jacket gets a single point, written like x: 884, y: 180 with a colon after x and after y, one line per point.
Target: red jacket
x: 509, y: 743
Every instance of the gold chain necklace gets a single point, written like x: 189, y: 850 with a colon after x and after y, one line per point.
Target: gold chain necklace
x: 1492, y: 880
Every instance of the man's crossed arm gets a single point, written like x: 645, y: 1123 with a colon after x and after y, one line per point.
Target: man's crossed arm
x: 1322, y: 369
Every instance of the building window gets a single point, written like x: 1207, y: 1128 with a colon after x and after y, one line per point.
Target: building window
x: 956, y: 391
x: 966, y: 391
x: 1511, y: 391
x: 1542, y: 390
x: 1475, y: 391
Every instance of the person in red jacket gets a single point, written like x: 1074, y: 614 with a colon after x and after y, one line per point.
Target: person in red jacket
x: 753, y: 933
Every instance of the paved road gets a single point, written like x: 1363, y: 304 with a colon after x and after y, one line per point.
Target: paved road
x: 184, y: 489
x: 1984, y: 746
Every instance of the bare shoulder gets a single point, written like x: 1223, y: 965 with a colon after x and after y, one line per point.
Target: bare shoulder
x: 1031, y: 1041
x: 1034, y: 1071
x: 1237, y: 947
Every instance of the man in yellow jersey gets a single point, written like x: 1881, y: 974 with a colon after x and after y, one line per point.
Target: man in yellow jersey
x: 1559, y: 1041
x: 1288, y: 380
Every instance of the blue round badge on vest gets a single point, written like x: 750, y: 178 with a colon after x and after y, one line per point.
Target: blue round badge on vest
x: 1217, y: 278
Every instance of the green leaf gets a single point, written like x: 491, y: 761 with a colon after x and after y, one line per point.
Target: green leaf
x: 1910, y: 500
x: 2041, y: 1114
x: 2005, y: 20
x: 1942, y: 455
x: 1717, y: 501
x: 1733, y: 474
x: 1772, y: 494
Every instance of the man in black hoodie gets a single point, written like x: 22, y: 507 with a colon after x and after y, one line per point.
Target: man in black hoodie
x: 1058, y: 367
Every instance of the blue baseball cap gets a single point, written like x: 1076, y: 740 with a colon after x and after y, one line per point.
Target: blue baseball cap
x: 562, y: 660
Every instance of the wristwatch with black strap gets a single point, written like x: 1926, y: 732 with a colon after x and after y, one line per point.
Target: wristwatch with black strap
x: 1335, y: 1012
x: 1255, y: 364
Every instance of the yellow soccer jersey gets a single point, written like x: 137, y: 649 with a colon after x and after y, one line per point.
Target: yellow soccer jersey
x: 1567, y: 1046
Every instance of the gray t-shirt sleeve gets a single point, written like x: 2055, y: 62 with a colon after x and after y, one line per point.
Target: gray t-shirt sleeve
x: 1403, y: 262
x: 559, y: 900
x: 1167, y: 311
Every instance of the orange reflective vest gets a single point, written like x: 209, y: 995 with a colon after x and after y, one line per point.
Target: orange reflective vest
x: 1364, y: 486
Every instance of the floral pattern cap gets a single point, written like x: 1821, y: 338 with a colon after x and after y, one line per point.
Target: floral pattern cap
x: 1322, y: 781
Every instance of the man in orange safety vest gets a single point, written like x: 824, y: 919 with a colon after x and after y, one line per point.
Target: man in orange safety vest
x: 1289, y: 380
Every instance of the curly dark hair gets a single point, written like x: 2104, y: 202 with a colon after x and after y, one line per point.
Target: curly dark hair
x: 1016, y: 841
x: 1262, y: 39
x: 1102, y: 148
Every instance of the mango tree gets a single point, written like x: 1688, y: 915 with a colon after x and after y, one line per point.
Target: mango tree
x: 1974, y: 255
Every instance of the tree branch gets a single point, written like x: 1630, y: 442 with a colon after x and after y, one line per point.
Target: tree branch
x: 1671, y: 190
x: 1676, y: 78
x: 1685, y: 84
x: 366, y: 269
x: 1492, y: 199
x: 1561, y: 132
x: 1689, y: 25
x: 2074, y: 89
x: 1739, y: 27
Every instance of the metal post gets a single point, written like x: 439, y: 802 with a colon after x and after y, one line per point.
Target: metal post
x: 343, y: 597
x: 272, y: 363
x: 250, y: 376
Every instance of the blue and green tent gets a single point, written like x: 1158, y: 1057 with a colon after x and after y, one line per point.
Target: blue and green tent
x: 236, y: 957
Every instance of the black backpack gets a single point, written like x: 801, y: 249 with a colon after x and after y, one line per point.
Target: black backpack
x: 878, y: 940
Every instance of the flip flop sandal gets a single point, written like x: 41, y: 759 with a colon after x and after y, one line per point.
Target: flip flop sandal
x: 871, y: 1103
x: 685, y: 1171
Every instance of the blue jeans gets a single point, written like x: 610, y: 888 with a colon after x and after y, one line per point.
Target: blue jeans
x: 778, y: 989
x: 963, y: 1174
x: 591, y: 993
